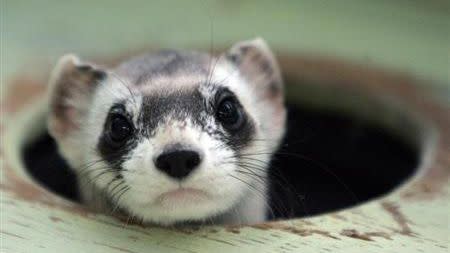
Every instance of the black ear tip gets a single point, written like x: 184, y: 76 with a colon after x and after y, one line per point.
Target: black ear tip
x: 84, y: 68
x: 244, y: 49
x: 99, y: 74
x: 233, y: 58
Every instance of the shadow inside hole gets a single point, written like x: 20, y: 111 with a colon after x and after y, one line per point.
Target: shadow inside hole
x: 328, y: 161
x: 331, y: 161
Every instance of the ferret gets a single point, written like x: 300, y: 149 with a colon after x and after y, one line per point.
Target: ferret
x: 172, y: 137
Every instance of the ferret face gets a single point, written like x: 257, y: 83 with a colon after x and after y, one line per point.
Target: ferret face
x: 171, y: 136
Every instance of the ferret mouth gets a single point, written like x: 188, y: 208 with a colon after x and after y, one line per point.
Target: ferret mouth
x: 183, y: 194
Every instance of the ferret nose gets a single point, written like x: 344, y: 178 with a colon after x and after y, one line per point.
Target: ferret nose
x: 178, y: 163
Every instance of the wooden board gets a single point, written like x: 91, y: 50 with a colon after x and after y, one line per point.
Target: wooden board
x: 413, y: 218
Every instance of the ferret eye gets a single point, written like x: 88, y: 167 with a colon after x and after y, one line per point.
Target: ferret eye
x: 229, y: 114
x: 120, y: 128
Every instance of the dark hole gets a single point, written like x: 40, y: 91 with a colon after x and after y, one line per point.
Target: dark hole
x: 44, y: 163
x: 328, y: 161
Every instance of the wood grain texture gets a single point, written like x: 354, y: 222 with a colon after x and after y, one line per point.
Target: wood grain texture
x: 413, y: 218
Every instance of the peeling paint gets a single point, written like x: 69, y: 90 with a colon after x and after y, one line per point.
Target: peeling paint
x: 234, y: 230
x: 24, y: 199
x: 398, y: 216
x: 292, y: 229
x: 366, y: 236
x: 55, y: 219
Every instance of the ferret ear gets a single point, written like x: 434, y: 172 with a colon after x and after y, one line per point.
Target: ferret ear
x: 258, y: 65
x: 70, y: 90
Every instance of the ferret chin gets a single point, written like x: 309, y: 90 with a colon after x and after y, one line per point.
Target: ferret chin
x: 172, y: 136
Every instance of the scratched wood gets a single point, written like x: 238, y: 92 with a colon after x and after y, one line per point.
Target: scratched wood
x: 413, y: 218
x: 413, y: 36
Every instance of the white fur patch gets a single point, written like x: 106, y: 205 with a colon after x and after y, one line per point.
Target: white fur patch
x: 229, y: 193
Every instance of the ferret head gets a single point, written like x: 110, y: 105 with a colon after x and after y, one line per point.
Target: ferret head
x: 171, y: 136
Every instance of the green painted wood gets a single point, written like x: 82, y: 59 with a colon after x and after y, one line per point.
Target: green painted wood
x: 404, y: 35
x: 31, y: 224
x: 407, y: 35
x: 35, y: 220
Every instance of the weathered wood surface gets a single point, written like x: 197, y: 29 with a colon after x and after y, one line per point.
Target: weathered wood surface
x: 414, y: 218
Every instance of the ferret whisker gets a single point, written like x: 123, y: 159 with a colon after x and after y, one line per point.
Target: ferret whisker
x: 275, y: 174
x: 246, y: 171
x: 88, y: 174
x: 115, y: 187
x: 115, y: 197
x: 155, y: 119
x: 211, y: 71
x: 253, y: 159
x: 122, y: 194
x: 320, y: 165
x: 92, y: 180
x: 257, y: 192
x: 287, y: 187
x: 111, y: 182
x: 89, y: 164
x: 121, y: 81
x: 92, y: 167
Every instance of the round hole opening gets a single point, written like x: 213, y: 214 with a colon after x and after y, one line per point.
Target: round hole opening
x: 329, y: 160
